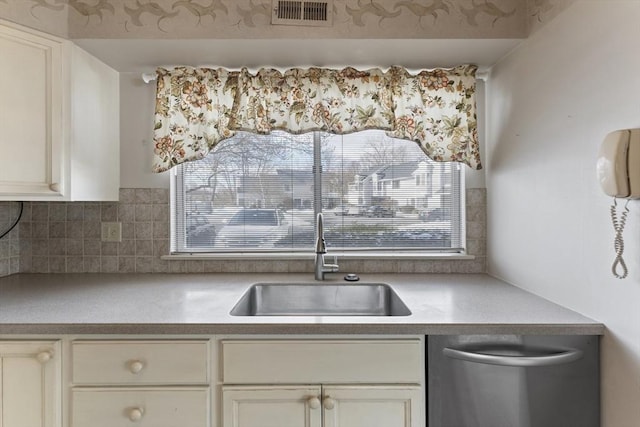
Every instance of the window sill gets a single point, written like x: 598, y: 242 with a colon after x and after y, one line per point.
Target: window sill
x: 309, y: 256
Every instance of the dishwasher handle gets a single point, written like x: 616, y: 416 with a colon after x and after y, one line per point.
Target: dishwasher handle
x: 526, y: 356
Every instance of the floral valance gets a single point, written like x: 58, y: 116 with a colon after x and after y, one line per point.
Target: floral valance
x: 198, y: 107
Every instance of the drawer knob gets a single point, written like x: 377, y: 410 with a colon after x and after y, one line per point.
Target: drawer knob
x: 44, y: 356
x: 135, y: 366
x: 313, y: 402
x: 329, y: 403
x: 135, y: 414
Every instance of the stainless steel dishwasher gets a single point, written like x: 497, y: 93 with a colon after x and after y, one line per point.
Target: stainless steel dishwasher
x: 513, y: 381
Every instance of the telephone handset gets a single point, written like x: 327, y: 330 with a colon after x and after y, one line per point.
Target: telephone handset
x: 619, y: 164
x: 618, y: 169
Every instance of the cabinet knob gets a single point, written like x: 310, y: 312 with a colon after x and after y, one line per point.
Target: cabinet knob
x: 54, y: 187
x: 314, y: 402
x: 135, y: 366
x: 329, y: 403
x: 135, y: 414
x: 44, y: 356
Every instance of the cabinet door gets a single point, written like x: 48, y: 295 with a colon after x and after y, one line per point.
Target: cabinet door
x: 373, y: 406
x: 266, y: 406
x: 30, y: 384
x: 31, y: 112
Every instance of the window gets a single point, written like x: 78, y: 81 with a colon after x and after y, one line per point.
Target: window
x: 261, y: 193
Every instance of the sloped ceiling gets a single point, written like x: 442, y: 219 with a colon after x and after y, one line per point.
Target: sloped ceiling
x: 131, y: 35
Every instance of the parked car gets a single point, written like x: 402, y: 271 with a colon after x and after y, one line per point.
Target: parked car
x: 253, y: 228
x: 379, y: 212
x: 437, y: 214
x: 349, y: 210
x: 200, y: 232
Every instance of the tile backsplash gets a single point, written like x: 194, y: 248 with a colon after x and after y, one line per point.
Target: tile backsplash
x: 65, y: 237
x: 10, y: 243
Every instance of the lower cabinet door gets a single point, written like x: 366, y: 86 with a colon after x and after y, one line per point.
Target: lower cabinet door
x: 271, y: 406
x: 30, y: 384
x: 142, y: 407
x: 323, y: 406
x: 373, y: 406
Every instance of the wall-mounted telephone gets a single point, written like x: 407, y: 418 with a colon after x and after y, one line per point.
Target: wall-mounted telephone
x: 619, y: 164
x: 618, y: 169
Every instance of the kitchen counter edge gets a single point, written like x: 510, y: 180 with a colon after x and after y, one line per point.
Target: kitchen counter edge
x: 199, y: 304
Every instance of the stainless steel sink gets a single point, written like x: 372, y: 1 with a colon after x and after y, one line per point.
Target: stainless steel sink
x: 313, y: 299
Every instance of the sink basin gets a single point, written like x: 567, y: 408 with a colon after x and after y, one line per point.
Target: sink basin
x: 314, y: 299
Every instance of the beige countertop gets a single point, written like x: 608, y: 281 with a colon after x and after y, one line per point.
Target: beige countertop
x: 195, y: 304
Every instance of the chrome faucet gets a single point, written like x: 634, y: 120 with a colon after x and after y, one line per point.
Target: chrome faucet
x: 321, y: 250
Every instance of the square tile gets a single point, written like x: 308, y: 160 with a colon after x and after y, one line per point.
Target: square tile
x: 93, y: 247
x: 58, y: 211
x: 144, y: 247
x: 144, y: 264
x: 40, y: 264
x: 58, y: 264
x: 109, y: 264
x: 109, y: 248
x: 58, y: 247
x: 75, y: 211
x: 127, y: 248
x: 160, y: 196
x: 160, y: 230
x: 75, y: 229
x: 143, y: 230
x: 126, y: 264
x: 143, y: 213
x: 161, y: 213
x: 126, y: 212
x: 40, y: 247
x: 40, y: 230
x: 75, y: 264
x: 75, y: 246
x: 127, y: 195
x: 92, y: 211
x: 109, y: 212
x: 40, y: 211
x: 92, y: 230
x: 144, y: 195
x: 92, y: 264
x: 57, y: 229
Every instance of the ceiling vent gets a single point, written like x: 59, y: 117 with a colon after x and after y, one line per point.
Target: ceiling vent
x: 302, y: 12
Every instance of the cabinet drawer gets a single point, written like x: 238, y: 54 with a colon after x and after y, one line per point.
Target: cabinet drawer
x: 140, y: 362
x: 322, y: 361
x: 141, y: 407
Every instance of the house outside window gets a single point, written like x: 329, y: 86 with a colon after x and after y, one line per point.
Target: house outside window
x: 261, y: 193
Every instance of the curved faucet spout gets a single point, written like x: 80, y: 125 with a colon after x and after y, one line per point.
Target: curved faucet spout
x: 321, y: 248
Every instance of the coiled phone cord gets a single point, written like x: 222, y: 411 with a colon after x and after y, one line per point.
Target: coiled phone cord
x: 618, y: 226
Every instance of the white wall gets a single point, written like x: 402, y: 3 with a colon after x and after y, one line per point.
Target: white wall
x: 551, y: 102
x: 476, y: 178
x: 137, y: 105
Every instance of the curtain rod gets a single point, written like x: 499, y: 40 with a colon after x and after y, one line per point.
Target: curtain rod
x: 149, y: 77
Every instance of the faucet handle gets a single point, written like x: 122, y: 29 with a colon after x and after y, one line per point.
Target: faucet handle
x: 332, y: 268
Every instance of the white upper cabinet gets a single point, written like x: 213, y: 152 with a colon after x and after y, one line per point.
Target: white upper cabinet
x: 59, y: 120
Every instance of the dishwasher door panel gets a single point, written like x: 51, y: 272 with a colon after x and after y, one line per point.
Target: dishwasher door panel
x: 513, y: 381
